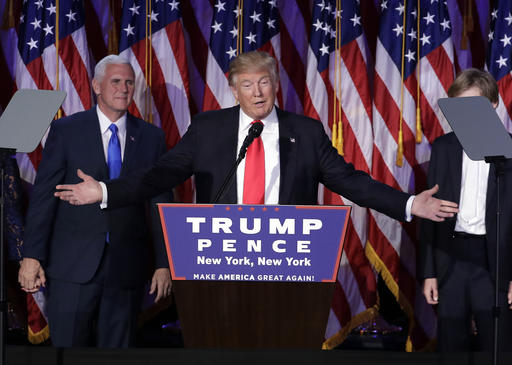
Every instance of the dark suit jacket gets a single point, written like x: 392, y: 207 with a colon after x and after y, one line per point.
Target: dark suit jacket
x: 445, y: 169
x: 69, y: 240
x: 307, y: 158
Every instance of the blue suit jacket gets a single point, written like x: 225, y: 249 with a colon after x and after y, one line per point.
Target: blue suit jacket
x: 69, y: 240
x: 209, y: 149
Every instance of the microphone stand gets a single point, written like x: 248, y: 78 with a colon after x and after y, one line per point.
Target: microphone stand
x: 497, y: 162
x: 4, y: 153
x: 229, y: 178
x: 254, y: 132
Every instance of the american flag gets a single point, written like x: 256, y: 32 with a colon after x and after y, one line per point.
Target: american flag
x: 155, y: 45
x: 152, y: 39
x: 307, y: 85
x: 40, y: 64
x: 222, y: 48
x: 336, y: 67
x: 405, y: 121
x: 234, y: 30
x: 499, y: 57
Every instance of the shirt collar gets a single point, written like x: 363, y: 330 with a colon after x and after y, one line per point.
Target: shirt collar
x: 105, y: 122
x: 270, y: 121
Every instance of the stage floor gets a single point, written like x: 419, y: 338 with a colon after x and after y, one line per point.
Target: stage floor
x: 25, y: 355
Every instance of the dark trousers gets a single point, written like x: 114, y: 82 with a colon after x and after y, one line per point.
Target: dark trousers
x: 93, y: 313
x: 466, y: 293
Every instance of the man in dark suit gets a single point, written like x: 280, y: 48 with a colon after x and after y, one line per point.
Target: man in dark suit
x: 457, y: 256
x: 291, y: 157
x: 94, y: 258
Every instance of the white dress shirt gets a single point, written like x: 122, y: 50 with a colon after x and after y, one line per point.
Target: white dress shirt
x: 106, y: 133
x: 473, y: 196
x: 270, y: 139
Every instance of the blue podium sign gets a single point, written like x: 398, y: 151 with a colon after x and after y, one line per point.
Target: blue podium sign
x: 254, y: 242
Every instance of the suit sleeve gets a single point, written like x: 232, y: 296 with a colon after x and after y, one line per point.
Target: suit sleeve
x: 425, y: 258
x: 171, y: 169
x: 342, y: 178
x: 507, y: 218
x: 43, y: 205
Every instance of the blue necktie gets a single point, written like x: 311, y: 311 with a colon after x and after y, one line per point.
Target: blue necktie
x: 113, y: 157
x: 114, y: 153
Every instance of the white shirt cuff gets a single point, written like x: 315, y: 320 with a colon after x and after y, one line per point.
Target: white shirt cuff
x: 104, y: 200
x: 408, y: 208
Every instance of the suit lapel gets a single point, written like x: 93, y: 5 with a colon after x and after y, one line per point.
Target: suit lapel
x: 130, y: 147
x: 287, y: 157
x: 490, y: 199
x: 96, y: 153
x: 456, y: 167
x: 232, y: 123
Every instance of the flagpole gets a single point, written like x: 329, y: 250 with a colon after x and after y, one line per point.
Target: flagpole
x: 150, y: 72
x: 57, y: 84
x: 338, y: 54
x: 419, y: 133
x: 400, y: 151
x: 334, y: 137
x: 240, y: 22
x: 337, y: 126
x: 146, y: 62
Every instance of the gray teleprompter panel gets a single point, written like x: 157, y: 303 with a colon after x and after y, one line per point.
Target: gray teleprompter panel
x: 27, y: 117
x: 477, y: 127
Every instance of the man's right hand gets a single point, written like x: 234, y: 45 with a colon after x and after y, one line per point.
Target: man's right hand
x: 87, y: 192
x: 430, y: 291
x: 31, y: 275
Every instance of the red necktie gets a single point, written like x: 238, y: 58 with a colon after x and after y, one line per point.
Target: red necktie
x: 254, y: 177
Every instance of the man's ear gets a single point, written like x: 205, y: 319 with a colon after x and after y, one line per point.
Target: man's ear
x: 235, y: 92
x: 495, y: 105
x: 96, y: 86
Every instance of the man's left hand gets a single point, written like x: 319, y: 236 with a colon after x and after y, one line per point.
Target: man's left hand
x: 425, y: 205
x: 161, y: 284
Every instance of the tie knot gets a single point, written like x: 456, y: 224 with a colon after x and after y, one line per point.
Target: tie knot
x: 113, y: 128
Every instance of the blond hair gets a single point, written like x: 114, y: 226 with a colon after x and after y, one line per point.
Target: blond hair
x: 252, y: 61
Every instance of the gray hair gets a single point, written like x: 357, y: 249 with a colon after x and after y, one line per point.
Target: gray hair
x: 101, y: 66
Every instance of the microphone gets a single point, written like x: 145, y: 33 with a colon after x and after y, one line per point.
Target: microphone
x: 254, y: 132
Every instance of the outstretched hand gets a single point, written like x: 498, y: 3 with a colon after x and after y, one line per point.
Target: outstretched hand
x: 426, y: 206
x: 87, y: 192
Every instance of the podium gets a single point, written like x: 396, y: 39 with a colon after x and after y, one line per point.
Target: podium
x: 253, y: 276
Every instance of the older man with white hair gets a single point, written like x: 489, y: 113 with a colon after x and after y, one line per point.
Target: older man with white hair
x: 93, y: 260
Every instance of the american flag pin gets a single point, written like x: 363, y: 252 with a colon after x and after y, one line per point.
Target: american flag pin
x: 292, y: 140
x: 132, y: 138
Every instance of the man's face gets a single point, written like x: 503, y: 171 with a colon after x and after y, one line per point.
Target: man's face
x: 115, y: 91
x: 256, y: 93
